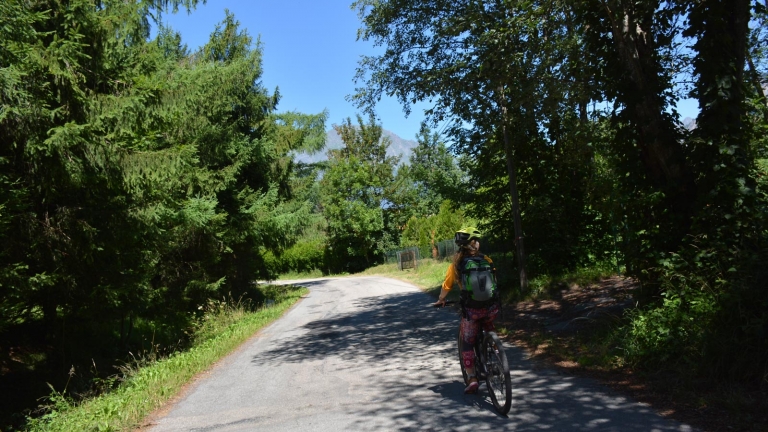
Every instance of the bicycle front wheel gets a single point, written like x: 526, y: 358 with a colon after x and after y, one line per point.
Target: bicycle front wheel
x: 497, y: 377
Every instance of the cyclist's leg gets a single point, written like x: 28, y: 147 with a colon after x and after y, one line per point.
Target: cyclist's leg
x: 489, y: 317
x: 469, y: 332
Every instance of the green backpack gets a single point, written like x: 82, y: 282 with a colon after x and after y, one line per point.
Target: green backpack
x: 477, y: 278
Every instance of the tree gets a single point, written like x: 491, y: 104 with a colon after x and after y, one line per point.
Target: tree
x: 434, y: 170
x: 422, y: 185
x: 430, y: 229
x: 572, y: 104
x: 500, y: 67
x: 354, y: 193
x: 721, y: 138
x: 636, y: 60
x: 142, y: 180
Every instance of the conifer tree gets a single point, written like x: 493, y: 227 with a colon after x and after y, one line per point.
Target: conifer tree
x: 138, y: 179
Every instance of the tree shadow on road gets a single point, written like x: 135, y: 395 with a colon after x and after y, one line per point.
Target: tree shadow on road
x: 412, y: 375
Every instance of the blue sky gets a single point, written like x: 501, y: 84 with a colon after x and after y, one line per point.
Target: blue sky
x: 310, y: 52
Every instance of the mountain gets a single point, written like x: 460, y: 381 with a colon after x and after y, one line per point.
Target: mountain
x: 398, y: 147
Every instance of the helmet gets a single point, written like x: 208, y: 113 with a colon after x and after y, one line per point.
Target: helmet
x: 466, y: 234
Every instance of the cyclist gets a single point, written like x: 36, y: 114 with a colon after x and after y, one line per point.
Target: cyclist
x: 475, y: 313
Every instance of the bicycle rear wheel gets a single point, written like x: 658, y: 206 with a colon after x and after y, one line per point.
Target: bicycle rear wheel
x: 461, y: 359
x: 497, y: 377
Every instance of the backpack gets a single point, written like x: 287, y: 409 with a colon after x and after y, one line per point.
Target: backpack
x: 477, y: 279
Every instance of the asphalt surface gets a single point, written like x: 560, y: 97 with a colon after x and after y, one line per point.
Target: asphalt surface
x: 365, y: 354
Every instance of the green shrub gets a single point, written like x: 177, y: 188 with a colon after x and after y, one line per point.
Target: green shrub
x: 303, y: 257
x: 544, y: 285
x: 673, y: 333
x: 708, y: 321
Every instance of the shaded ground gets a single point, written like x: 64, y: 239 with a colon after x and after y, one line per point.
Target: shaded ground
x: 561, y: 332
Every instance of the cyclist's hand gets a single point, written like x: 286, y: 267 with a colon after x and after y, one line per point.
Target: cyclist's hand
x: 440, y: 303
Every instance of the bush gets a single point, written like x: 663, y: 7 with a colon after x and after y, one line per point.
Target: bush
x: 673, y: 333
x: 304, y: 256
x: 708, y: 321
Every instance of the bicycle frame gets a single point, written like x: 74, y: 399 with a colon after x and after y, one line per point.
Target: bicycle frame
x: 495, y: 373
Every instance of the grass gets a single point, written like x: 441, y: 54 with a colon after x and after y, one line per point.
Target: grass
x: 542, y: 287
x: 428, y: 275
x: 147, y: 384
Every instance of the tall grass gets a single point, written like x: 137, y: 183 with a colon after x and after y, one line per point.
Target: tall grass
x: 147, y: 383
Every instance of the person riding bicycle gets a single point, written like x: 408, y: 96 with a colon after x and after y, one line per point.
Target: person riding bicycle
x: 476, y: 313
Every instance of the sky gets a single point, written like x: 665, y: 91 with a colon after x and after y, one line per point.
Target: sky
x: 310, y: 52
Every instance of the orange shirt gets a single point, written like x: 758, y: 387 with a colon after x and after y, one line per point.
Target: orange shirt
x: 451, y: 275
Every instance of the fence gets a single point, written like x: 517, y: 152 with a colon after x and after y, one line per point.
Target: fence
x: 445, y: 249
x: 393, y: 255
x: 408, y: 258
x: 442, y: 250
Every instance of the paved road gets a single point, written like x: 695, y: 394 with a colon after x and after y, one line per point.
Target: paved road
x: 366, y: 354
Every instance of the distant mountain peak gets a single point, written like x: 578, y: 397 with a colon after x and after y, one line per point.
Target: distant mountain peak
x: 397, y: 147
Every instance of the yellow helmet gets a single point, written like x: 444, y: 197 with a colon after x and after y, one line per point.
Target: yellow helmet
x: 467, y: 234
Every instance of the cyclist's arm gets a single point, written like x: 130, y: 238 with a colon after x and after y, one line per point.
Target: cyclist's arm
x: 490, y: 261
x: 450, y: 278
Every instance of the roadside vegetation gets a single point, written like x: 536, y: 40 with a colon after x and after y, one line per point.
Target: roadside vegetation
x: 146, y: 382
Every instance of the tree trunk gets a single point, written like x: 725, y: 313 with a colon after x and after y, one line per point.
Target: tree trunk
x: 655, y: 133
x: 728, y: 207
x: 660, y: 151
x: 519, y: 246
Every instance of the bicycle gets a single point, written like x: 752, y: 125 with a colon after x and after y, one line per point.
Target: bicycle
x: 490, y: 364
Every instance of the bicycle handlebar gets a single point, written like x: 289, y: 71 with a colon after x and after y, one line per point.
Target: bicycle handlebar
x: 449, y: 302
